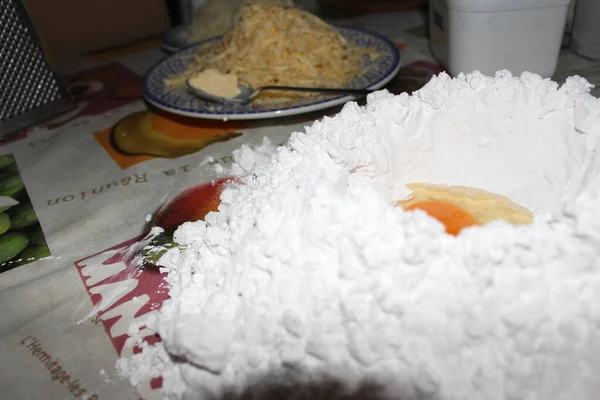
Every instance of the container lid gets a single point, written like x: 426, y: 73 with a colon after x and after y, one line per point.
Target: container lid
x: 503, y: 5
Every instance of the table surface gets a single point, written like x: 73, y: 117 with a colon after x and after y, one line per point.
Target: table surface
x: 91, y: 201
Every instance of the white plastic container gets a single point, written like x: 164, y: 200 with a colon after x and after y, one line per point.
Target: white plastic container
x: 490, y: 35
x: 586, y: 29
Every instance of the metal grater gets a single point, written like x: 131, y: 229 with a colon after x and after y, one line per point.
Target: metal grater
x: 29, y: 91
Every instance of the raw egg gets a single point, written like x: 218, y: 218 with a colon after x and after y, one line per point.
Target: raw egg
x: 453, y: 217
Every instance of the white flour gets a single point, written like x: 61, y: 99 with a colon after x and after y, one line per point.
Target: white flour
x: 245, y: 159
x: 307, y: 273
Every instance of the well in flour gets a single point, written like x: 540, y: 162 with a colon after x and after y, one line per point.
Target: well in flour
x: 309, y: 273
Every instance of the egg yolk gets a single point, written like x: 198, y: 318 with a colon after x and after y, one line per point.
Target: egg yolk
x: 453, y: 217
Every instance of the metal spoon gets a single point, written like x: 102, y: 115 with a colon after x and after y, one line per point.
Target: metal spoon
x: 247, y: 94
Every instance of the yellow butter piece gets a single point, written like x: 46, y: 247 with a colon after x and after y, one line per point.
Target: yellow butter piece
x: 216, y: 83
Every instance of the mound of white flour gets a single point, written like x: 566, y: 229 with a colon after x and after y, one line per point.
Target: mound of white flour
x: 308, y: 273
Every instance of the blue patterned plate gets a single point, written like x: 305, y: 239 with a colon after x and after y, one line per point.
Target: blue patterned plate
x: 181, y: 101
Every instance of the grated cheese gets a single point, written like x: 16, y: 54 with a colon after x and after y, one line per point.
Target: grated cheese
x: 280, y: 45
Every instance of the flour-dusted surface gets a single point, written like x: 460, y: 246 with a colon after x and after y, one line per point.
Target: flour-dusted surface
x: 308, y: 273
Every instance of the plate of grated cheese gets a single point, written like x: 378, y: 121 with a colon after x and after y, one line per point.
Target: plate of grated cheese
x: 275, y: 45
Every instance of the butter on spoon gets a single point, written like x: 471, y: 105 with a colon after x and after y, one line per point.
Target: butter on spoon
x: 215, y: 83
x: 212, y: 85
